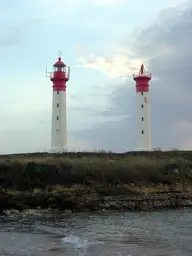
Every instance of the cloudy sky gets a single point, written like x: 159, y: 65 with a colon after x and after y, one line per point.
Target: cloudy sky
x: 104, y: 42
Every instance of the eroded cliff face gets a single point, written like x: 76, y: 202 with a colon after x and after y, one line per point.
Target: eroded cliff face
x: 83, y: 199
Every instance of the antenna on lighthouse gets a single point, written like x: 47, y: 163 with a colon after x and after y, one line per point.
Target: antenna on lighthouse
x: 47, y: 73
x: 142, y: 69
x: 59, y: 53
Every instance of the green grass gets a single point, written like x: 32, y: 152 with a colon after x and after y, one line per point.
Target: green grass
x: 138, y: 170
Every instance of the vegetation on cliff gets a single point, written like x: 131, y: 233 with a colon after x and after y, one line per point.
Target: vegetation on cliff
x: 42, y: 179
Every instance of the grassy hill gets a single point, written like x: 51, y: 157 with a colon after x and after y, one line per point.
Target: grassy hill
x: 25, y: 171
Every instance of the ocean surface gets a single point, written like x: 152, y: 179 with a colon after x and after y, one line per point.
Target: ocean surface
x: 132, y: 234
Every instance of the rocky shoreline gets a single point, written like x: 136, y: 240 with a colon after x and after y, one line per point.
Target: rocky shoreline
x: 33, y: 212
x: 45, y: 203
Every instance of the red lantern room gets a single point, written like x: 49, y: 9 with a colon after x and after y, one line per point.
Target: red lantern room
x: 60, y: 75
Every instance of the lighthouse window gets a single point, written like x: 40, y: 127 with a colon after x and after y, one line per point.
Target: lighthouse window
x: 57, y: 92
x: 142, y: 118
x: 57, y: 118
x: 57, y: 105
x: 141, y: 93
x: 142, y: 132
x: 59, y: 69
x: 141, y: 105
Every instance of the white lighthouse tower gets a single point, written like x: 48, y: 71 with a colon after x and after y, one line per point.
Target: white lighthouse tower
x: 59, y: 77
x: 143, y: 129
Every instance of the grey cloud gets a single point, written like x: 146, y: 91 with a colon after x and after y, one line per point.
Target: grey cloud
x: 88, y: 111
x: 172, y: 33
x: 11, y: 36
x: 110, y: 135
x: 15, y: 35
x: 168, y: 44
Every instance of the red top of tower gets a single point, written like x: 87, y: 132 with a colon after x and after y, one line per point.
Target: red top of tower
x: 142, y: 79
x: 142, y: 74
x: 60, y: 75
x: 59, y: 63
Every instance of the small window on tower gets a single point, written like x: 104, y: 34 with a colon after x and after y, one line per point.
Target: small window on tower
x: 142, y: 132
x: 141, y: 105
x: 57, y: 92
x: 57, y: 118
x: 141, y: 93
x: 57, y: 105
x: 142, y: 118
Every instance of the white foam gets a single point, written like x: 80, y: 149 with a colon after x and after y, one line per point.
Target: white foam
x: 78, y: 242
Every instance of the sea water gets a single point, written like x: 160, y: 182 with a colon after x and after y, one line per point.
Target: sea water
x: 158, y: 233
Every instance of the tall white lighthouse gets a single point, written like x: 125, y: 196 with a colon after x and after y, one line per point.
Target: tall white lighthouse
x: 143, y: 127
x: 59, y: 77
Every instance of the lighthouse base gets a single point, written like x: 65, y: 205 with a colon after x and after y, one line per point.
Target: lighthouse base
x: 144, y: 149
x: 57, y: 150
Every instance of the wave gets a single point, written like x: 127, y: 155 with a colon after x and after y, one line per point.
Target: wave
x: 51, y: 230
x: 78, y: 242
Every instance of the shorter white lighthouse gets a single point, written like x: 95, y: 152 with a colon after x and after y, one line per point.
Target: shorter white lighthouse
x: 59, y: 78
x: 143, y: 127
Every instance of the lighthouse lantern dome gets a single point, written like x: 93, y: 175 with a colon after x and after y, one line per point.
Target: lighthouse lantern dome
x: 59, y: 65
